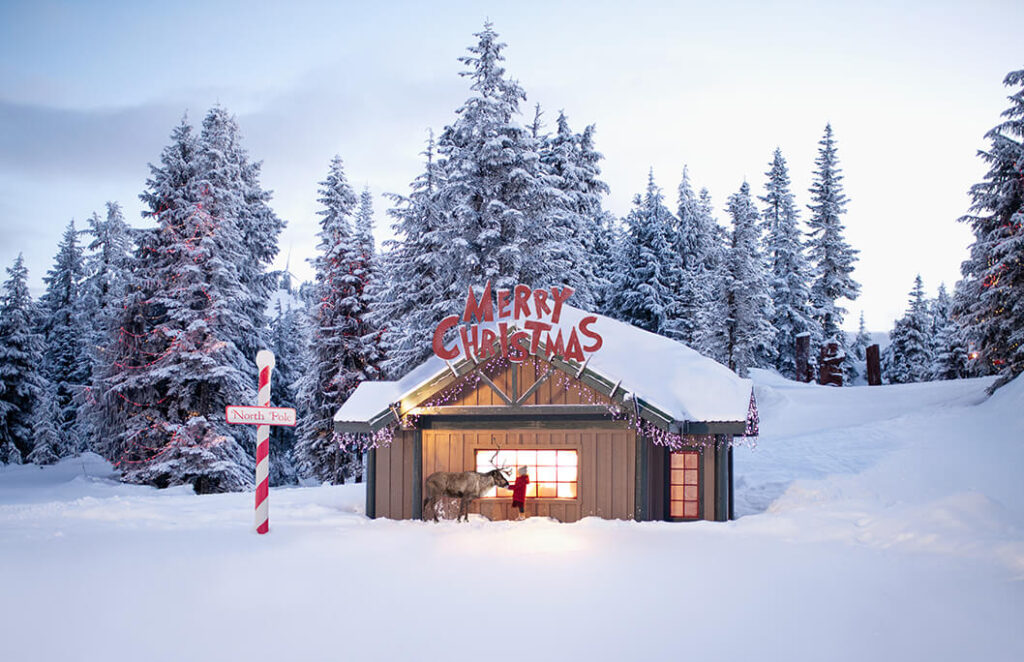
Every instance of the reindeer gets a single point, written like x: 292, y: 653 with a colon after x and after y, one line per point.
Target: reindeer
x: 466, y: 486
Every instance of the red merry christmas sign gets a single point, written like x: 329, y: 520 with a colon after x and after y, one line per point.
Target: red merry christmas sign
x: 524, y: 318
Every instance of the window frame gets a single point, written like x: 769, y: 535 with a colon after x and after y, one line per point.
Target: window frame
x: 670, y: 483
x: 533, y: 490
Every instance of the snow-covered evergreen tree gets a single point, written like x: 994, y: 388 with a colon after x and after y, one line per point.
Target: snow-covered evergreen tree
x: 832, y: 259
x: 711, y: 334
x: 692, y: 239
x: 102, y: 296
x: 642, y: 293
x: 578, y: 213
x: 949, y: 350
x: 788, y: 271
x: 749, y: 337
x: 412, y: 295
x: 287, y: 337
x: 66, y: 362
x: 173, y: 363
x: 21, y: 355
x: 48, y: 444
x: 990, y: 298
x: 232, y: 193
x: 496, y: 195
x: 855, y: 364
x: 908, y: 358
x: 342, y: 349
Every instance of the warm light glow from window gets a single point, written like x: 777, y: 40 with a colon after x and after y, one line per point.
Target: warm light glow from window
x: 554, y: 474
x: 684, y: 485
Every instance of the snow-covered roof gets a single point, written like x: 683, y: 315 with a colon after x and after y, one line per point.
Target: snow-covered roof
x: 663, y: 374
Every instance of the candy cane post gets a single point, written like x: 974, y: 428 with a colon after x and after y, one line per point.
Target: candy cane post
x: 262, y: 416
x: 265, y: 363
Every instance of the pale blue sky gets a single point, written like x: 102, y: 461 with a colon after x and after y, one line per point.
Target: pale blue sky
x: 90, y: 91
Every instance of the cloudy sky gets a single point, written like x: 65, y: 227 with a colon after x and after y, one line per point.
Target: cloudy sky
x: 89, y: 93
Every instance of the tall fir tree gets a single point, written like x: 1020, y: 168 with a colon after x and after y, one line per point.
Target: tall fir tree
x: 173, y: 363
x: 642, y: 292
x: 788, y: 271
x: 21, y: 354
x: 692, y: 242
x: 711, y: 334
x: 990, y: 298
x: 287, y: 336
x: 855, y: 365
x: 412, y: 295
x: 908, y: 358
x: 106, y: 280
x: 831, y: 257
x: 496, y: 193
x: 66, y: 363
x: 341, y: 351
x: 48, y: 444
x: 749, y: 337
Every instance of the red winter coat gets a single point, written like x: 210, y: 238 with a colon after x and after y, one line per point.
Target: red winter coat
x: 519, y: 490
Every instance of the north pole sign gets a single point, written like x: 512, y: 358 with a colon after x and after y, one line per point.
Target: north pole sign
x: 260, y: 415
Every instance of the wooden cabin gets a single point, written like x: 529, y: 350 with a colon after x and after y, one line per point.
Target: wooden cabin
x: 641, y: 430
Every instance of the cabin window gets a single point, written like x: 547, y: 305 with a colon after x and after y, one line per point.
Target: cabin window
x: 553, y: 473
x: 684, y: 483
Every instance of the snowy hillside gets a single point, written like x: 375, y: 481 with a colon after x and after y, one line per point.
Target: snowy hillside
x: 877, y: 523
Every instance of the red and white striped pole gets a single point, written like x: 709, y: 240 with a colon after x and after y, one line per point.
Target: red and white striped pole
x: 265, y: 362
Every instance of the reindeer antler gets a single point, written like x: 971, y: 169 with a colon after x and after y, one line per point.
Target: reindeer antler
x: 503, y: 467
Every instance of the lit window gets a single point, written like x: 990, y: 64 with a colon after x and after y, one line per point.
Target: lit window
x: 553, y: 473
x: 684, y: 484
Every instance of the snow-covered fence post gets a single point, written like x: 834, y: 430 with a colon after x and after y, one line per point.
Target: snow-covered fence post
x: 265, y: 363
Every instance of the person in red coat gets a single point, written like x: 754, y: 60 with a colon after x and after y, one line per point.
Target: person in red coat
x: 519, y: 492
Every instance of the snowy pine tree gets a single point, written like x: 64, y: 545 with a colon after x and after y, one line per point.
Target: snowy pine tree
x: 21, y: 355
x: 102, y: 294
x: 173, y: 364
x: 496, y: 196
x: 343, y: 349
x: 412, y: 295
x: 855, y: 364
x: 831, y: 257
x: 990, y: 298
x: 692, y: 240
x: 287, y: 337
x: 949, y: 350
x: 749, y: 337
x: 908, y: 357
x: 642, y: 293
x: 711, y: 335
x: 788, y: 271
x: 48, y: 444
x: 66, y: 363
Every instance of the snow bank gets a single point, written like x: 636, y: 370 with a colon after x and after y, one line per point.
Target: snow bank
x: 894, y: 533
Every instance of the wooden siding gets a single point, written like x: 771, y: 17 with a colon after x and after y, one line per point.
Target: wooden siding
x: 393, y: 480
x: 606, y: 471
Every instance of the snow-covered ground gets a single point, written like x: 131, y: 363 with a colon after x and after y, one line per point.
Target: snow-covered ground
x: 878, y: 523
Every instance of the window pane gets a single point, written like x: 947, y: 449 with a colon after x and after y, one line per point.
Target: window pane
x: 567, y: 490
x: 691, y: 460
x: 567, y: 474
x: 677, y: 492
x: 548, y: 490
x: 526, y: 457
x: 489, y: 493
x: 691, y: 477
x: 549, y: 458
x: 677, y: 476
x: 547, y: 474
x: 567, y: 458
x: 690, y: 492
x: 677, y: 509
x: 677, y: 460
x: 690, y: 509
x: 531, y: 490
